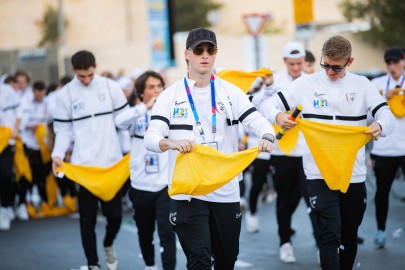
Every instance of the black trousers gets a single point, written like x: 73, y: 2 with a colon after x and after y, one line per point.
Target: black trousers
x: 7, y: 176
x: 259, y: 176
x: 385, y: 169
x: 339, y: 216
x: 288, y: 177
x: 152, y: 207
x: 208, y: 232
x: 39, y: 171
x: 88, y: 206
x: 67, y: 187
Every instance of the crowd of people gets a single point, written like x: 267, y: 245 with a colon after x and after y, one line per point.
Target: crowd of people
x: 95, y: 120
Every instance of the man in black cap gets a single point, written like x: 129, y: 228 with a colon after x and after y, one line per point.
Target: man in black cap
x: 388, y: 154
x: 204, y: 109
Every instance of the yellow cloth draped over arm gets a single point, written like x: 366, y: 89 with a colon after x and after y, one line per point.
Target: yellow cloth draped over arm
x: 102, y: 182
x: 241, y: 79
x: 5, y: 136
x: 397, y: 104
x: 205, y: 169
x: 21, y: 164
x: 334, y: 148
x: 41, y: 134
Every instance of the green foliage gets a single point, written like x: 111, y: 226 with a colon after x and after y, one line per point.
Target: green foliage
x: 384, y: 16
x: 189, y: 14
x: 49, y: 27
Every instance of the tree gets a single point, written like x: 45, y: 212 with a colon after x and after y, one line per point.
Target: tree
x: 49, y: 27
x: 188, y: 14
x: 384, y: 18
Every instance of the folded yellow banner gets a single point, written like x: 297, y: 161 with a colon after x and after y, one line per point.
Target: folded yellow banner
x: 241, y: 79
x: 102, y: 182
x: 21, y: 164
x: 397, y: 104
x: 205, y: 169
x: 289, y: 140
x: 334, y: 148
x: 5, y: 136
x: 41, y: 134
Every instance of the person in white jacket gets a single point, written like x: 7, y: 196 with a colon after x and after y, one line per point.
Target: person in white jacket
x: 388, y: 153
x: 335, y: 96
x: 149, y: 174
x: 86, y: 109
x: 203, y: 109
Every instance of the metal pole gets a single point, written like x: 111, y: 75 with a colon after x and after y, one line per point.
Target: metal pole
x: 257, y: 50
x: 61, y: 23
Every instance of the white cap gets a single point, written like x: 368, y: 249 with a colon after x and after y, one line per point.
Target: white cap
x: 134, y: 74
x: 293, y: 46
x: 125, y: 83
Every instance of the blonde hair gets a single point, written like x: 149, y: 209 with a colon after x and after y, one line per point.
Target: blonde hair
x: 337, y: 48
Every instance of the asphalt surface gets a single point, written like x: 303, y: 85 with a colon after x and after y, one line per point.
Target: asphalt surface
x: 54, y: 243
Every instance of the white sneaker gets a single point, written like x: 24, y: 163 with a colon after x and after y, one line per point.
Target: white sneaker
x: 110, y: 258
x: 11, y: 214
x: 22, y: 213
x: 4, y: 219
x: 252, y: 223
x: 287, y: 253
x: 92, y: 267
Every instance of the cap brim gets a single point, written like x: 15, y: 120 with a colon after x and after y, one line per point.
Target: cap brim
x: 195, y: 44
x: 390, y: 58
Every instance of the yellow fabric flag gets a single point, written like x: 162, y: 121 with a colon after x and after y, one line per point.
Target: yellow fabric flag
x: 205, y: 169
x: 51, y: 187
x: 289, y: 140
x: 241, y: 79
x: 397, y: 103
x: 21, y: 164
x: 41, y: 134
x: 5, y: 136
x: 102, y: 182
x: 334, y: 148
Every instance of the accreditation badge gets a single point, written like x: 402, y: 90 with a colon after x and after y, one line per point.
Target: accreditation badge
x: 151, y: 164
x: 213, y: 144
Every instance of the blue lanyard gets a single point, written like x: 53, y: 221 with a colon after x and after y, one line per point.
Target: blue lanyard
x: 213, y: 110
x: 146, y: 121
x: 389, y: 79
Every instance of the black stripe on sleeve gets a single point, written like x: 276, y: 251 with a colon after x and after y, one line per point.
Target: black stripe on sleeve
x: 62, y: 120
x: 103, y: 113
x: 377, y: 108
x: 11, y: 107
x: 122, y: 107
x: 351, y: 118
x: 234, y: 122
x: 250, y: 98
x: 281, y: 96
x: 161, y: 118
x: 181, y: 127
x: 246, y: 114
x: 317, y: 116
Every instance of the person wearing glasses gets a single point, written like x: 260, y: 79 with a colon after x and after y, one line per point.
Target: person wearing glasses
x: 148, y: 190
x: 387, y: 153
x: 201, y: 108
x: 346, y: 100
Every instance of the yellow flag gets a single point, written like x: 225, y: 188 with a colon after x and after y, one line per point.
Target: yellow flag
x: 289, y: 140
x: 5, y: 136
x: 397, y: 104
x: 41, y: 133
x: 102, y: 182
x: 334, y: 148
x: 51, y: 187
x: 241, y: 79
x: 205, y: 169
x: 21, y: 164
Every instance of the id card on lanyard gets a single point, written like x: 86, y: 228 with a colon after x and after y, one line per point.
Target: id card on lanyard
x: 151, y: 163
x: 213, y: 143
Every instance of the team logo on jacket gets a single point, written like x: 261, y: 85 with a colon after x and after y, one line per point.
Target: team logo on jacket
x: 220, y: 107
x: 78, y: 106
x: 320, y: 103
x: 350, y: 97
x: 101, y: 96
x: 180, y: 113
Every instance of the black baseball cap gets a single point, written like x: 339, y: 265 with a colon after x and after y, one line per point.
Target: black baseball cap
x: 200, y: 35
x: 395, y: 54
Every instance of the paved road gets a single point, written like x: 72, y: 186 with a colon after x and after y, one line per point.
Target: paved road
x: 54, y: 243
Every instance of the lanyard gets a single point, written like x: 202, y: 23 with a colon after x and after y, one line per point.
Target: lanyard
x: 193, y: 108
x: 389, y: 79
x: 146, y: 121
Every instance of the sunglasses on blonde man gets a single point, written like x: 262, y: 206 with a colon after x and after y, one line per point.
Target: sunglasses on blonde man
x: 200, y: 50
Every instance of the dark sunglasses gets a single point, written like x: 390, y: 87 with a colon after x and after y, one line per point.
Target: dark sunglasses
x: 334, y: 68
x: 200, y: 50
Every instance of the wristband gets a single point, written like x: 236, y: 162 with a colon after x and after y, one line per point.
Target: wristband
x: 269, y: 138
